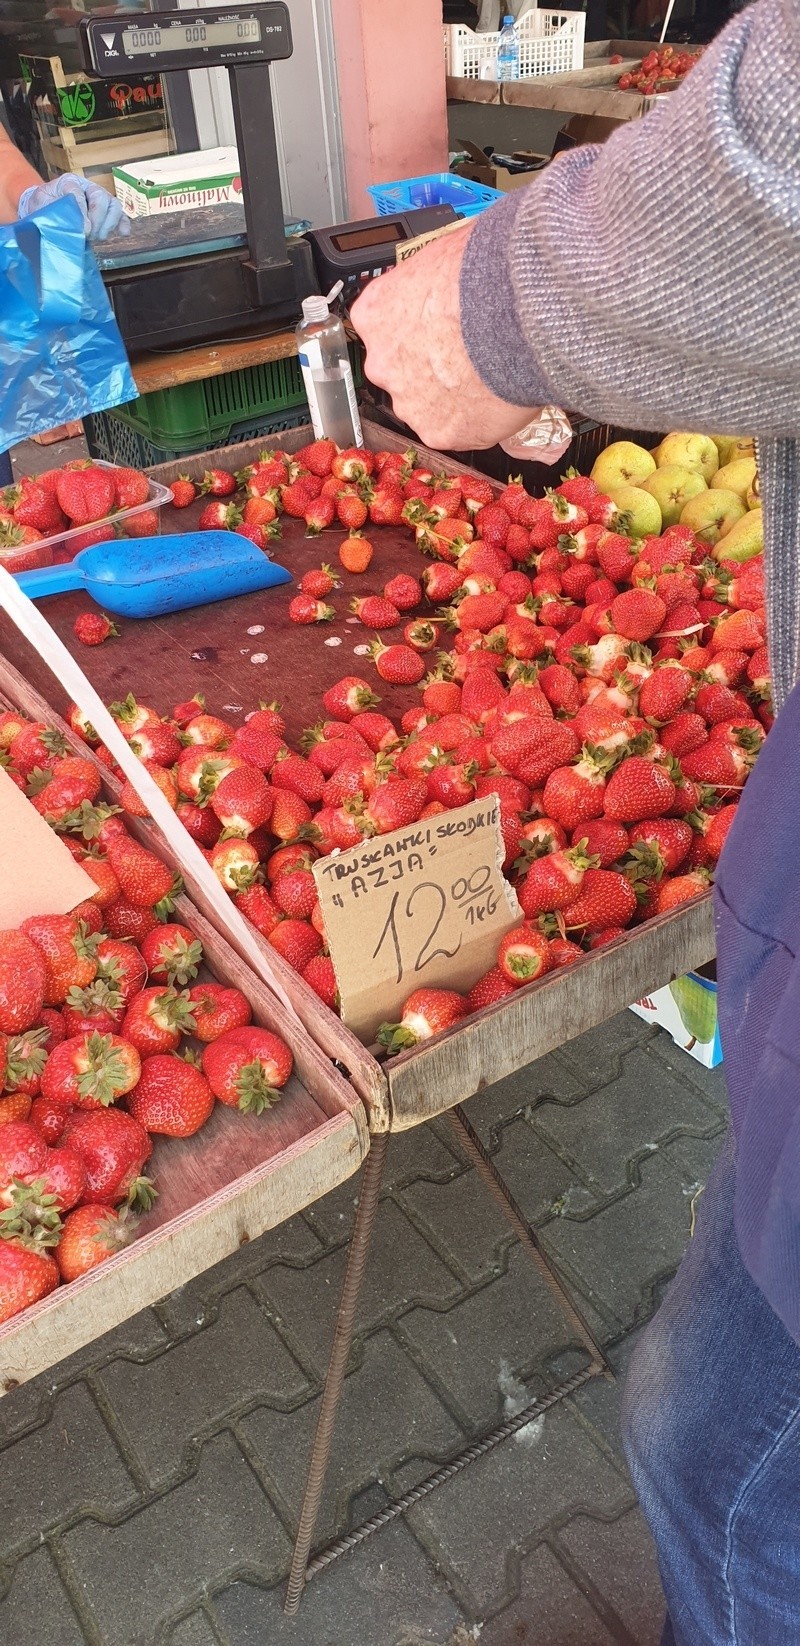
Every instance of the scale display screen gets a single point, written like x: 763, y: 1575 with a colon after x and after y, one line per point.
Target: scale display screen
x: 383, y: 233
x: 164, y: 40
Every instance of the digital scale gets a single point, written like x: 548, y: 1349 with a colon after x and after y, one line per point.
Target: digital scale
x: 227, y: 270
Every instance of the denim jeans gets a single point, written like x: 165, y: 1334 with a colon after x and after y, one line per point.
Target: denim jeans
x: 712, y: 1433
x: 6, y: 472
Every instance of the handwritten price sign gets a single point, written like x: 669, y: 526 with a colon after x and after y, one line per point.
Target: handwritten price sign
x: 424, y: 907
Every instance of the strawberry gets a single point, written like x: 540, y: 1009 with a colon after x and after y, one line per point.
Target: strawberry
x: 426, y: 1012
x: 208, y: 731
x: 717, y: 832
x: 441, y: 582
x: 121, y: 965
x: 23, y: 981
x: 155, y: 1020
x: 247, y: 1067
x: 318, y: 457
x: 290, y: 814
x: 98, y: 1008
x: 242, y: 801
x: 404, y: 592
x: 524, y: 954
x: 375, y: 612
x: 318, y: 514
x: 61, y: 788
x: 257, y: 905
x: 144, y: 524
x: 217, y: 1009
x: 296, y: 941
x: 261, y: 511
x: 615, y: 556
x: 85, y: 494
x: 319, y: 583
x: 113, y: 1148
x: 356, y: 552
x: 36, y: 745
x: 398, y: 665
x: 574, y: 794
x: 669, y: 836
x: 218, y: 516
x: 351, y: 512
x: 90, y: 1071
x: 38, y: 508
x: 158, y: 744
x: 172, y: 955
x: 554, y: 882
x: 295, y: 893
x: 201, y: 823
x: 217, y: 483
x: 235, y: 863
x: 49, y: 1118
x: 492, y: 525
x: 146, y: 882
x: 123, y: 920
x: 441, y: 696
x: 563, y: 952
x: 494, y: 985
x: 452, y: 782
x: 90, y: 1236
x: 261, y: 536
x: 686, y: 732
x: 560, y: 688
x: 353, y: 464
x: 637, y: 614
x: 681, y: 889
x: 606, y: 899
x: 540, y: 836
x: 602, y: 839
x: 131, y: 488
x: 348, y: 697
x: 639, y: 788
x: 131, y: 716
x: 27, y: 1273
x: 377, y: 731
x: 293, y: 773
x: 717, y: 702
x: 663, y: 694
x: 394, y: 805
x: 68, y: 951
x: 184, y: 491
x: 385, y: 503
x: 256, y: 746
x: 480, y: 611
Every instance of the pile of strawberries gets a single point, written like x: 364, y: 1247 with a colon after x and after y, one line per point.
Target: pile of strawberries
x: 661, y: 69
x: 82, y: 493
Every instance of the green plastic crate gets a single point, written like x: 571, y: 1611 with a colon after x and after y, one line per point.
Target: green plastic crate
x: 109, y: 437
x: 201, y: 416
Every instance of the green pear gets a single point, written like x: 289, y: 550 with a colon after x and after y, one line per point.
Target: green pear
x: 744, y: 540
x: 622, y: 464
x: 731, y: 446
x: 690, y: 451
x: 754, y: 492
x: 641, y: 512
x: 736, y: 476
x: 712, y: 513
x: 672, y: 488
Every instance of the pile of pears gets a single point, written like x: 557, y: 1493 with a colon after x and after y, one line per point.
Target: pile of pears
x: 707, y: 482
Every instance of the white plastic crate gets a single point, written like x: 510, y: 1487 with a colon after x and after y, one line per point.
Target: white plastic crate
x: 550, y: 42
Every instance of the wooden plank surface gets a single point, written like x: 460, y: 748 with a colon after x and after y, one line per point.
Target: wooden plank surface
x: 241, y: 1174
x: 166, y: 371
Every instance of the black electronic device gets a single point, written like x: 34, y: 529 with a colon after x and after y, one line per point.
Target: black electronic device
x: 164, y: 40
x: 355, y: 252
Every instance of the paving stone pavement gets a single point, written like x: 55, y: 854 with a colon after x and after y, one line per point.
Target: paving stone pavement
x: 149, y: 1486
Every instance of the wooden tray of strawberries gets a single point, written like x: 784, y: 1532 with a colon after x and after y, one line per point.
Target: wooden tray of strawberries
x: 244, y: 651
x: 160, y: 1108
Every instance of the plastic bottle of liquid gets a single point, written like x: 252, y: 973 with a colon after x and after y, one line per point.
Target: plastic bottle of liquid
x: 508, y: 51
x: 327, y: 373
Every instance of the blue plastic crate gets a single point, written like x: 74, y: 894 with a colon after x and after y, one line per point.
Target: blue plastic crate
x: 441, y: 188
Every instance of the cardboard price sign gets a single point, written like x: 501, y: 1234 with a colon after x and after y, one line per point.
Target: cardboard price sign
x: 423, y: 907
x: 38, y: 875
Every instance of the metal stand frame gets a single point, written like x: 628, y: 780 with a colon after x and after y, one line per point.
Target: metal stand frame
x: 302, y: 1570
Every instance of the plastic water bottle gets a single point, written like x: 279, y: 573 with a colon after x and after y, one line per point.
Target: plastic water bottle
x: 508, y: 51
x: 327, y: 373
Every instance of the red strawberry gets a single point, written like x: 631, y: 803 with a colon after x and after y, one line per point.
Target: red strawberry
x: 85, y: 494
x: 681, y: 889
x: 375, y: 612
x: 219, y: 516
x: 319, y: 583
x: 131, y: 487
x: 716, y: 702
x: 94, y: 627
x: 685, y: 733
x: 209, y: 732
x: 247, y: 1067
x: 669, y: 836
x: 554, y: 882
x: 404, y: 592
x: 114, y: 1148
x: 235, y: 863
x: 616, y: 557
x: 218, y: 483
x: 606, y: 899
x: 27, y: 1274
x: 639, y: 788
x: 90, y: 1236
x: 297, y: 941
x: 68, y: 951
x: 398, y: 665
x: 173, y: 1098
x: 48, y: 1118
x: 145, y: 881
x: 155, y: 1020
x: 36, y: 745
x: 305, y: 609
x: 121, y: 965
x: 663, y: 694
x: 394, y: 805
x: 480, y: 611
x: 638, y: 613
x: 131, y: 716
x: 524, y: 954
x: 348, y: 697
x: 257, y: 905
x: 99, y: 1008
x: 377, y: 730
x: 39, y: 508
x: 563, y: 952
x: 603, y: 839
x: 184, y: 491
x: 23, y: 981
x: 386, y: 503
x: 494, y: 985
x: 441, y: 697
x: 217, y: 1009
x: 157, y: 744
x: 426, y: 1012
x: 295, y: 893
x: 172, y: 954
x: 318, y: 514
x: 321, y: 977
x: 122, y: 920
x: 293, y: 773
x: 353, y: 464
x: 574, y: 794
x: 90, y: 1071
x: 441, y: 582
x: 243, y: 800
x: 290, y: 814
x: 351, y: 511
x: 257, y: 746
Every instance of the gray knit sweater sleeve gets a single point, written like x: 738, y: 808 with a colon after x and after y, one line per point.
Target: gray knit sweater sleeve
x: 655, y: 282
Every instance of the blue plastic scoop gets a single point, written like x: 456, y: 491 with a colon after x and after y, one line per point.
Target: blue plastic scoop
x: 149, y: 576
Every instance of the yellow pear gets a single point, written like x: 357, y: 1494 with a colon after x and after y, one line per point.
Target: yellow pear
x: 623, y: 463
x: 712, y: 513
x: 744, y: 540
x: 642, y: 515
x: 672, y: 486
x: 691, y: 451
x: 730, y: 446
x: 754, y: 492
x: 736, y: 476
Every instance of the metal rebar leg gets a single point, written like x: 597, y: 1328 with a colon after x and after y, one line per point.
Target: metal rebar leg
x: 337, y: 1366
x: 485, y: 1167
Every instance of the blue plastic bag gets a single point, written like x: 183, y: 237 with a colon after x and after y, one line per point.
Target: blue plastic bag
x: 61, y: 354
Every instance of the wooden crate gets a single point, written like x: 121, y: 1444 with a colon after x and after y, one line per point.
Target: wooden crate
x: 407, y: 1090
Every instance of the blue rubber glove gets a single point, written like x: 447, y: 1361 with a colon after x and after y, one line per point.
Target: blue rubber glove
x: 103, y: 213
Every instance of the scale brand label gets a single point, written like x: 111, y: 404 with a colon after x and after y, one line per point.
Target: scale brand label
x: 423, y: 907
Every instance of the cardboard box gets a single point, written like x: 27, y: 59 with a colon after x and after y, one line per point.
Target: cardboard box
x: 585, y: 128
x: 178, y: 182
x: 687, y: 1009
x: 480, y: 168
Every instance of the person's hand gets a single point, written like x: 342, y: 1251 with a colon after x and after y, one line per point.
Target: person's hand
x: 410, y: 321
x: 102, y: 212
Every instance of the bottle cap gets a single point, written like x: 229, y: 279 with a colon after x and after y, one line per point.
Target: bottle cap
x: 315, y: 308
x: 508, y: 19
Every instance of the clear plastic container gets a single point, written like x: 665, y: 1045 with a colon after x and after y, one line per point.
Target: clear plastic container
x: 143, y: 520
x: 508, y: 51
x: 328, y: 374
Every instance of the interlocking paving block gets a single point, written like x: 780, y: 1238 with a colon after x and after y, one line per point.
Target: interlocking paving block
x: 500, y: 1505
x: 218, y: 1524
x: 164, y: 1405
x: 194, y: 1631
x: 401, y: 1269
x: 36, y: 1611
x: 388, y: 1594
x: 548, y: 1077
x: 19, y: 1410
x: 618, y: 1254
x: 197, y: 1302
x: 479, y: 1350
x: 540, y: 1181
x: 549, y: 1610
x: 600, y: 1401
x: 388, y: 1413
x: 462, y: 1220
x: 694, y: 1157
x: 425, y: 1151
x: 623, y: 1120
x: 620, y: 1560
x: 66, y: 1467
x: 595, y: 1056
x: 711, y: 1082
